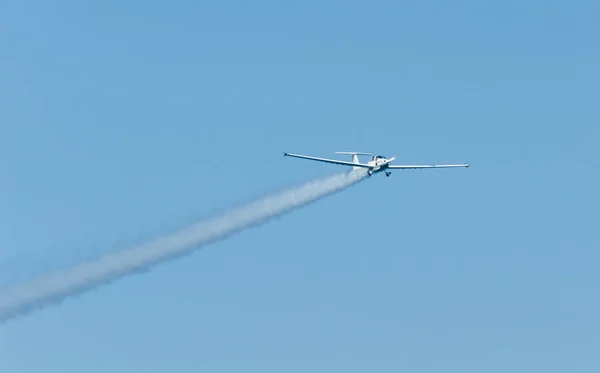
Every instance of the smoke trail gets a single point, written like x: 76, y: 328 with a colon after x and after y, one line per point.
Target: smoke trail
x: 55, y: 287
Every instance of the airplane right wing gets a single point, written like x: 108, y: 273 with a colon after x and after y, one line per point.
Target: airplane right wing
x: 427, y: 166
x: 333, y: 161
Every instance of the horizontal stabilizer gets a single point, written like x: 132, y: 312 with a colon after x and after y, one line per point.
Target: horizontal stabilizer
x: 353, y: 153
x: 354, y: 156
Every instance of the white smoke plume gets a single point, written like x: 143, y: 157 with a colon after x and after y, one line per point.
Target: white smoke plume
x: 55, y: 287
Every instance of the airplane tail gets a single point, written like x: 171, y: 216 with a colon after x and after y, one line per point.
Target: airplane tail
x: 354, y: 157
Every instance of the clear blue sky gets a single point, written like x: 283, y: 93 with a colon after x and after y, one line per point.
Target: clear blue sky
x: 122, y: 120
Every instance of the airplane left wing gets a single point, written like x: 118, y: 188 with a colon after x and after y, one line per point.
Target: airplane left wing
x: 427, y: 166
x: 334, y: 161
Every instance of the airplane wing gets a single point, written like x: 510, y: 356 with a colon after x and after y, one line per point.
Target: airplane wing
x: 427, y: 166
x: 334, y: 161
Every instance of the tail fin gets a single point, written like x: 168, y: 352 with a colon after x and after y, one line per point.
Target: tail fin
x: 354, y: 156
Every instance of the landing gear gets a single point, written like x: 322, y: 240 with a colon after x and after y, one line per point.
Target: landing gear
x: 370, y: 172
x: 387, y: 173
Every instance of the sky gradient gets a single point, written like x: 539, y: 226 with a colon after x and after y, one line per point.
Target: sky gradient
x: 124, y: 120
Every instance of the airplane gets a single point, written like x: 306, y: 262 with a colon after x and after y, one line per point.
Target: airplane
x: 378, y: 163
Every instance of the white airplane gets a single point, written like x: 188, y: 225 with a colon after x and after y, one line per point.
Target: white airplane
x: 377, y: 163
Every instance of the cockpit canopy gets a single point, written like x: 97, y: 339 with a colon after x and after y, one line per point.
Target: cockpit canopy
x: 378, y: 157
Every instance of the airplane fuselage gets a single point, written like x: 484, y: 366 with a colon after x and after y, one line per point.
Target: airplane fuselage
x: 378, y: 164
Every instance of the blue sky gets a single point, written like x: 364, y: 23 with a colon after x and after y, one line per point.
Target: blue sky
x: 123, y: 120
